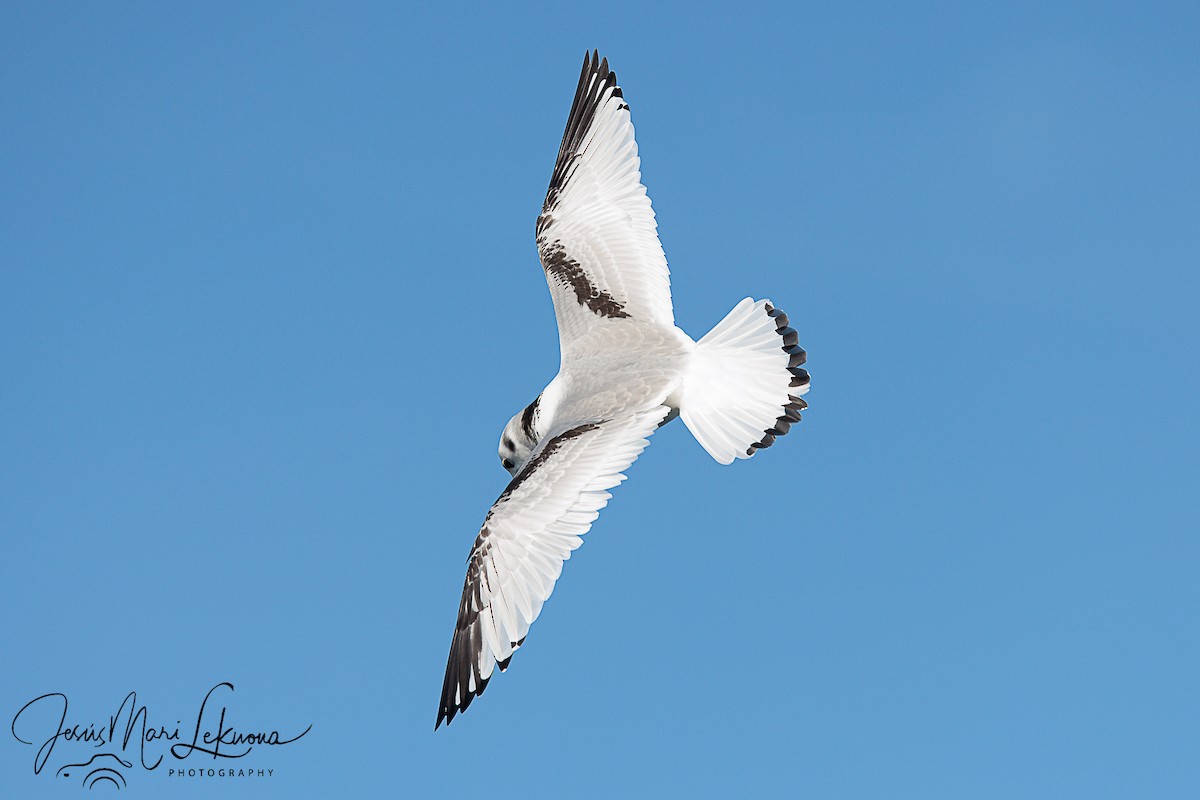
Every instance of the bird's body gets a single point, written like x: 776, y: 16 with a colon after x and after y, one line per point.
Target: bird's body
x: 625, y: 370
x: 629, y: 366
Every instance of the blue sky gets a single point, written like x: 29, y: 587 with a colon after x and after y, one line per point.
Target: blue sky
x: 268, y: 294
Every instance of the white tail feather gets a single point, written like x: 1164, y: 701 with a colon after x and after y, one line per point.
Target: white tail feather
x: 743, y: 386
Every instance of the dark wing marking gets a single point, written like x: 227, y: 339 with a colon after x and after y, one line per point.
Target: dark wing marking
x: 566, y: 270
x: 529, y: 532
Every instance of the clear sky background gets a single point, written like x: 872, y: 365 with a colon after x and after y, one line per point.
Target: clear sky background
x: 269, y: 292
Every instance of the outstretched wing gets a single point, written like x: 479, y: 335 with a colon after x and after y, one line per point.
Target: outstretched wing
x: 527, y: 535
x: 596, y: 235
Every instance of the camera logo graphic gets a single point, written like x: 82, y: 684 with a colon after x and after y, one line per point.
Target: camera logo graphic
x: 105, y: 771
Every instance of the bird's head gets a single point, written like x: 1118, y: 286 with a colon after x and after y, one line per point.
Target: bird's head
x: 519, y: 438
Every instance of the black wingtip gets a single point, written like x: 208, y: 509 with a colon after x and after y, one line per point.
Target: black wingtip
x: 594, y: 80
x: 445, y: 714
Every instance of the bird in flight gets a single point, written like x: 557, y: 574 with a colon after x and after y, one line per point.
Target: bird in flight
x: 625, y: 371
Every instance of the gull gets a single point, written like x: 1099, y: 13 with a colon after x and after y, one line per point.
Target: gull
x: 625, y: 370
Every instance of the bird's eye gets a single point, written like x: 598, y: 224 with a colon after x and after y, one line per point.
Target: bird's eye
x: 507, y: 464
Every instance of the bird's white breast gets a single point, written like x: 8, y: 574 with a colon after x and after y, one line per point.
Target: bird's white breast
x: 617, y: 367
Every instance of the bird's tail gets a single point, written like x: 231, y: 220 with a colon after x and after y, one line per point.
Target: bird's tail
x: 743, y: 387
